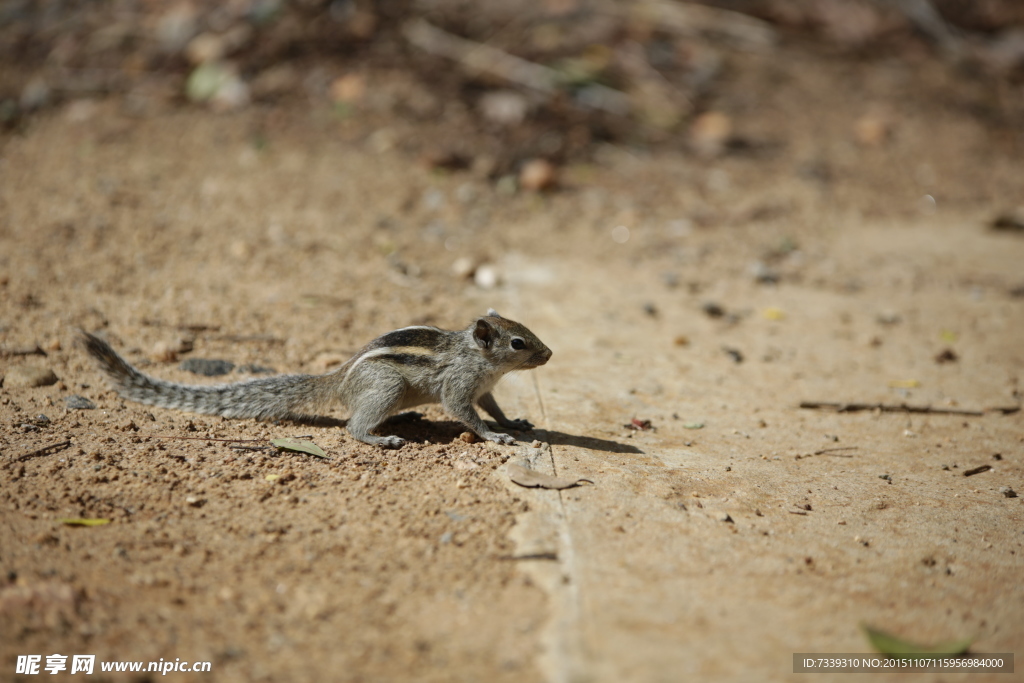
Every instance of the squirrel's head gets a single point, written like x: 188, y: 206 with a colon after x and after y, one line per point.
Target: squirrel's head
x: 509, y: 343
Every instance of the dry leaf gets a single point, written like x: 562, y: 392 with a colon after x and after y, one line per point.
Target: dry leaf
x: 888, y: 644
x: 533, y: 479
x: 290, y: 444
x: 82, y: 521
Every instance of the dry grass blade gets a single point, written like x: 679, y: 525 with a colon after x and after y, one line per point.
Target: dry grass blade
x: 532, y: 479
x: 483, y: 58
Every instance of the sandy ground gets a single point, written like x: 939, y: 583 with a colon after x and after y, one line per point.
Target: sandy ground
x: 739, y: 530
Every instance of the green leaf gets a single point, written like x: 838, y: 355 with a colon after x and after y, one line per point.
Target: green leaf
x: 888, y: 644
x: 204, y: 82
x: 290, y: 444
x: 82, y: 521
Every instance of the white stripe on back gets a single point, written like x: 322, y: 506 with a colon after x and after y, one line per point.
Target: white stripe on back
x: 387, y: 350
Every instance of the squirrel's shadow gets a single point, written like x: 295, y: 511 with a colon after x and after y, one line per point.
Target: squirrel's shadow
x: 412, y: 426
x: 590, y: 442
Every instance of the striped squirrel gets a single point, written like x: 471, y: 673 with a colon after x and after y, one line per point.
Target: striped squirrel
x: 401, y: 369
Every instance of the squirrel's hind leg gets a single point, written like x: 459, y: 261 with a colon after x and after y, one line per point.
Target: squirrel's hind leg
x: 377, y: 400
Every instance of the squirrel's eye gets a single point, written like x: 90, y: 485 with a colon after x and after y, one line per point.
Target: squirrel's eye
x: 518, y: 344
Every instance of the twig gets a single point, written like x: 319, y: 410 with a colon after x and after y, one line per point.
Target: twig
x: 246, y: 338
x: 1004, y: 410
x: 206, y: 438
x: 197, y: 327
x: 832, y: 451
x: 37, y: 351
x: 43, y: 451
x: 529, y: 556
x: 902, y: 408
x: 657, y: 95
x: 690, y: 19
x: 482, y: 58
x: 234, y: 448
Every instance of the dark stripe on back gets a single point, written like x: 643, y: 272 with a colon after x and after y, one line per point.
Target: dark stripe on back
x: 424, y: 338
x: 406, y: 359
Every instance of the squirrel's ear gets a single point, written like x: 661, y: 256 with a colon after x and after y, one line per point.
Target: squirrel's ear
x: 491, y: 313
x: 484, y: 334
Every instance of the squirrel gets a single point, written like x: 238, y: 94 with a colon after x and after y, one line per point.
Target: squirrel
x: 408, y: 367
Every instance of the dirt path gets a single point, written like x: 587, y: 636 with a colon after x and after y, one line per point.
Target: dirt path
x: 740, y: 530
x: 720, y: 551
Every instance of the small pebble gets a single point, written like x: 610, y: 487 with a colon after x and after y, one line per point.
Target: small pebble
x: 1011, y: 221
x: 29, y: 376
x: 176, y: 27
x: 763, y: 273
x: 468, y: 437
x: 486, y: 277
x: 76, y: 402
x: 463, y: 268
x: 206, y: 47
x: 712, y: 309
x: 444, y: 158
x: 710, y: 132
x: 872, y: 129
x: 888, y: 318
x: 35, y: 94
x: 1007, y: 491
x: 350, y: 88
x: 467, y: 193
x: 275, y: 81
x: 504, y: 107
x: 164, y: 352
x: 506, y: 185
x: 537, y: 175
x: 735, y: 354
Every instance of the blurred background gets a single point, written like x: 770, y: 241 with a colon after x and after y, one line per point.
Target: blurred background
x: 493, y: 84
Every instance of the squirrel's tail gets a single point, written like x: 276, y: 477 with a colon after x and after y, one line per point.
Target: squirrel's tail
x: 265, y: 398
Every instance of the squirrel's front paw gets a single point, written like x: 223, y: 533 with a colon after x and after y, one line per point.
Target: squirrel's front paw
x: 520, y: 425
x: 498, y: 437
x: 392, y: 442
